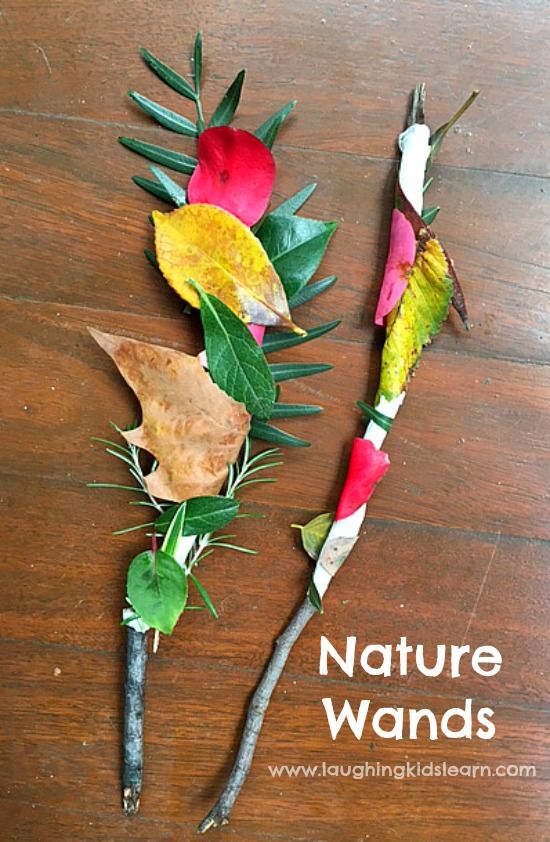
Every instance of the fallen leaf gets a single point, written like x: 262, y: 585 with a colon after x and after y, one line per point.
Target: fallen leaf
x: 236, y: 172
x: 416, y: 318
x: 208, y: 245
x: 192, y: 428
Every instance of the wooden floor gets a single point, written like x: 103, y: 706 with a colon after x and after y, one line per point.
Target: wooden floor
x: 454, y: 548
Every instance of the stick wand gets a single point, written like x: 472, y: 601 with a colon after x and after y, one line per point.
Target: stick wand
x: 418, y: 288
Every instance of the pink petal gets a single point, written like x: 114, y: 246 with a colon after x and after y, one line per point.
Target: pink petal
x: 367, y: 466
x: 401, y: 256
x: 236, y: 172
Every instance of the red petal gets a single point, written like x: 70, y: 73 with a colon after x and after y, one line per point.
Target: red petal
x: 236, y: 172
x: 367, y: 466
x: 401, y: 256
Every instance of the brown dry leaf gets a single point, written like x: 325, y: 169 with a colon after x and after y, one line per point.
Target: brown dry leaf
x: 191, y: 427
x: 212, y: 247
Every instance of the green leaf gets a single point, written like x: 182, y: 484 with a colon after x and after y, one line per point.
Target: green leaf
x: 438, y: 136
x: 269, y: 130
x: 157, y: 589
x: 203, y: 515
x: 167, y: 118
x: 290, y: 371
x: 295, y: 202
x: 429, y: 214
x: 261, y: 430
x: 314, y: 597
x: 278, y: 341
x: 383, y: 421
x: 310, y: 291
x: 295, y: 245
x: 175, y: 530
x: 228, y: 105
x: 314, y: 533
x: 177, y: 194
x: 235, y: 361
x: 152, y: 187
x: 416, y: 318
x: 205, y: 597
x: 152, y: 258
x: 164, y: 72
x: 167, y: 157
x: 197, y: 63
x: 291, y: 410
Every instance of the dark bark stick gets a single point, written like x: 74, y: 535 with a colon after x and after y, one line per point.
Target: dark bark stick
x: 134, y: 688
x: 257, y: 708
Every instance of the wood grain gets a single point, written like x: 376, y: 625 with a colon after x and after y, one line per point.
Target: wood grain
x: 455, y: 549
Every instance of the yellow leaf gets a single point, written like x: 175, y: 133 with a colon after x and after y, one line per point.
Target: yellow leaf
x: 192, y: 428
x: 211, y: 246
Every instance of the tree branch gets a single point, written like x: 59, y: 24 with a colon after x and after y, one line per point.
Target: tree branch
x: 259, y: 703
x: 134, y: 687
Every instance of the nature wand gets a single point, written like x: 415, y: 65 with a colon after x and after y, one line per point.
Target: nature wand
x: 418, y: 288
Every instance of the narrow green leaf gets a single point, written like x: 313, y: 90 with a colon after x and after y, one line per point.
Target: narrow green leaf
x: 294, y: 203
x: 197, y: 63
x: 438, y: 136
x: 166, y: 157
x: 261, y: 430
x: 428, y: 184
x: 429, y: 214
x: 314, y: 533
x: 295, y: 245
x: 310, y: 291
x: 115, y: 485
x: 175, y: 530
x: 165, y: 116
x: 290, y: 371
x: 228, y: 105
x: 205, y: 597
x: 269, y: 130
x: 314, y: 597
x: 152, y: 258
x: 203, y: 515
x: 157, y: 589
x: 291, y: 410
x: 152, y: 187
x: 278, y: 341
x: 235, y: 361
x: 177, y: 194
x: 383, y: 421
x: 133, y: 528
x: 168, y: 75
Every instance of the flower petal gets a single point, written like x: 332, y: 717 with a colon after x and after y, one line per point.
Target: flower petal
x: 236, y: 172
x: 401, y: 255
x: 367, y: 466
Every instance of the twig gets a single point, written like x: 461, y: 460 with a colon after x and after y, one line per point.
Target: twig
x: 134, y: 687
x: 259, y: 703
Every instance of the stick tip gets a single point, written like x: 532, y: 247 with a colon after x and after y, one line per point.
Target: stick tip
x: 131, y: 797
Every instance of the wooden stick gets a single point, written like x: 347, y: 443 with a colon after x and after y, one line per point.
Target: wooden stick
x: 134, y: 689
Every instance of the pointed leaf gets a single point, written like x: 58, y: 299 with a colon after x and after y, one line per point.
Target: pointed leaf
x: 295, y: 246
x: 279, y: 341
x: 167, y: 157
x: 309, y: 292
x: 290, y: 410
x: 294, y: 203
x: 174, y: 531
x: 439, y: 134
x: 165, y: 116
x: 228, y: 105
x: 152, y: 187
x: 157, y: 589
x: 202, y: 515
x: 190, y: 426
x: 213, y: 248
x: 164, y: 72
x: 177, y: 194
x: 266, y: 432
x: 429, y: 214
x: 197, y: 63
x: 315, y: 597
x: 416, y: 318
x: 205, y: 596
x: 314, y: 533
x: 372, y: 414
x: 235, y: 360
x: 150, y: 255
x: 269, y: 130
x: 290, y: 371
